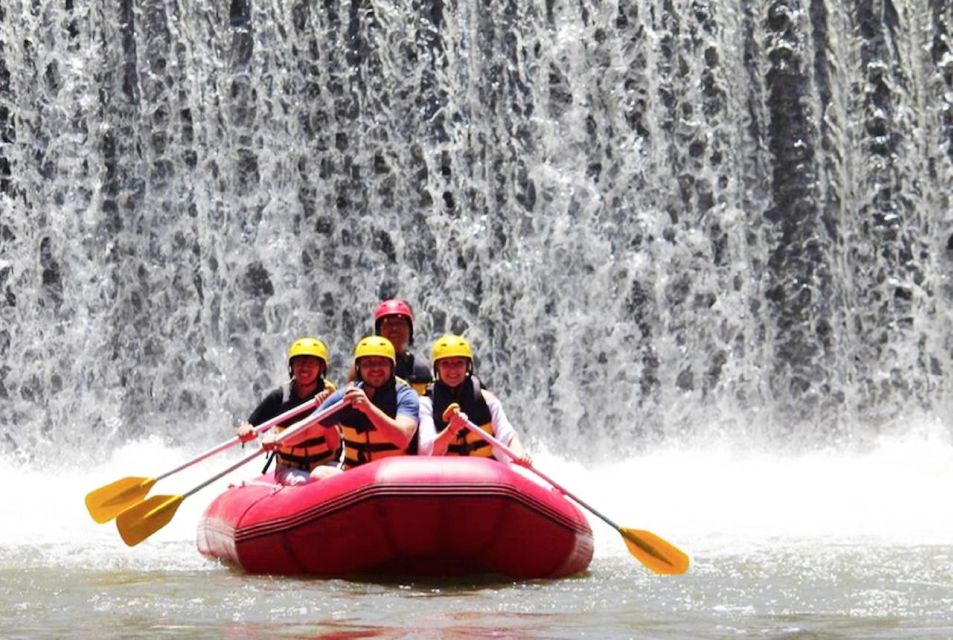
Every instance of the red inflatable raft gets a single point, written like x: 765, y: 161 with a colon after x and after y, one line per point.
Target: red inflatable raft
x: 407, y: 516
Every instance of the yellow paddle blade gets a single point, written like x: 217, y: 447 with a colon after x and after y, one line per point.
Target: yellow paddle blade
x: 140, y: 521
x: 106, y: 502
x: 656, y: 554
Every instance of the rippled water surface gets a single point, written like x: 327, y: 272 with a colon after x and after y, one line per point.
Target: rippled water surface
x: 814, y: 546
x: 785, y: 590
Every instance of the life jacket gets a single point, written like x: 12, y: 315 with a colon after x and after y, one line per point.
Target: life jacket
x: 309, y: 453
x: 363, y: 443
x: 414, y: 370
x: 469, y: 396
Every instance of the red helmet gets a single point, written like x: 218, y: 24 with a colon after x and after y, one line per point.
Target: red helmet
x: 393, y: 307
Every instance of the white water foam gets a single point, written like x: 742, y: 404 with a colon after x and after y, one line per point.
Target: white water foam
x: 709, y: 501
x: 720, y: 500
x: 50, y: 516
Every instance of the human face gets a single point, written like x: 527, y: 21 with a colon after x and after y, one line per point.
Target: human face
x: 375, y: 370
x: 452, y: 371
x: 306, y: 369
x: 397, y: 330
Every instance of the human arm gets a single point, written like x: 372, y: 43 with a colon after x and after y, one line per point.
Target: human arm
x: 324, y: 395
x: 331, y: 436
x: 400, y: 429
x: 523, y: 456
x: 246, y: 431
x: 505, y: 432
x: 442, y: 440
x: 426, y: 432
x: 267, y: 409
x: 328, y: 424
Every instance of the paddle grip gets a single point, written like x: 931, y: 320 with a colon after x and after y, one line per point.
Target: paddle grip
x: 455, y: 408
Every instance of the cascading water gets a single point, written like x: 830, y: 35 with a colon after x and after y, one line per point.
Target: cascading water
x: 701, y: 248
x: 654, y: 220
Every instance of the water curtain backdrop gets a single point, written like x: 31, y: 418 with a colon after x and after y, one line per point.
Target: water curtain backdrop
x: 655, y: 220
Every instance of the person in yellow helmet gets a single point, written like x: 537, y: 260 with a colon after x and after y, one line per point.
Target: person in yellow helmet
x: 307, y: 364
x: 382, y: 415
x: 455, y: 382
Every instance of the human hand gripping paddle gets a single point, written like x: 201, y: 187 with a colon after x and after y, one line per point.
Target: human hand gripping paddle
x: 106, y: 502
x: 140, y: 521
x: 655, y: 553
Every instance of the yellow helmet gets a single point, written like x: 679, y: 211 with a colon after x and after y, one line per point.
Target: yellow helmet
x: 309, y: 347
x: 375, y: 346
x: 451, y: 346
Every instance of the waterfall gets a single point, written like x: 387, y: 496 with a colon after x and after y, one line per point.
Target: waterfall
x: 655, y: 220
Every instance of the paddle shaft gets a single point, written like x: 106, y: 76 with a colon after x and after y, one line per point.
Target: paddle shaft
x: 264, y: 426
x: 287, y: 433
x: 512, y: 454
x: 198, y: 488
x: 138, y: 522
x: 652, y: 551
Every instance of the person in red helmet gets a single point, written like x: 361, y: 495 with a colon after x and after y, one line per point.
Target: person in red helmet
x: 394, y: 320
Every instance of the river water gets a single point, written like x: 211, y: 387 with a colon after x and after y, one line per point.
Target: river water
x: 702, y: 249
x: 819, y: 545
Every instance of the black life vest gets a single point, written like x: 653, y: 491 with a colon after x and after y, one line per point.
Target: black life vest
x: 469, y: 395
x: 414, y: 370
